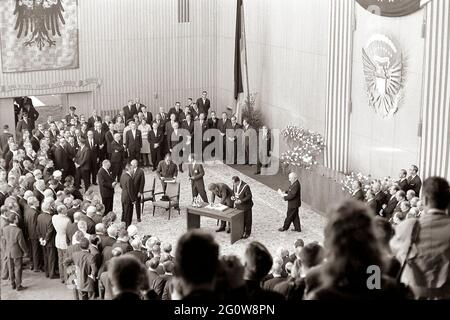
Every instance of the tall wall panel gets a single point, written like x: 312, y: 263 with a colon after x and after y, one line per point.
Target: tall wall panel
x: 339, y: 74
x: 435, y: 148
x: 138, y: 49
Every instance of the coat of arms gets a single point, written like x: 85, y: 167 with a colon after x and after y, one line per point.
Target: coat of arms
x: 383, y: 71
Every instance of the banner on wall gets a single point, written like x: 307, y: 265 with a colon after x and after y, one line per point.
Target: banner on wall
x: 38, y: 35
x: 392, y: 8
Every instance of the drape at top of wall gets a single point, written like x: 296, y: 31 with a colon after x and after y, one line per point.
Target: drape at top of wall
x: 435, y: 148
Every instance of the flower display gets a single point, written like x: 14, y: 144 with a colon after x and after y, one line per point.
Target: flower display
x: 306, y: 146
x: 366, y: 180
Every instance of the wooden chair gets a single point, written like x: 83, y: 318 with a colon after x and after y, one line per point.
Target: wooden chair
x: 148, y: 195
x: 173, y: 195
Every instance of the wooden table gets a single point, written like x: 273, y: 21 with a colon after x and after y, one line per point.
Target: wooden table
x: 234, y: 216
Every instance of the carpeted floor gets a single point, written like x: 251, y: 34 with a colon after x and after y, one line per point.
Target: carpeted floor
x: 268, y: 215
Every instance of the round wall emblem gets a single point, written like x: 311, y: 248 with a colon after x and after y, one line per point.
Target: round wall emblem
x: 392, y: 8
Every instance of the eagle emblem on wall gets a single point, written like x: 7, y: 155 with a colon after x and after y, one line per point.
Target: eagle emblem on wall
x: 39, y: 21
x: 383, y: 72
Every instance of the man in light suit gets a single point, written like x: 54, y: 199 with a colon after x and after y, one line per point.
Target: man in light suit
x: 196, y: 174
x: 243, y: 201
x: 16, y: 249
x: 106, y: 183
x: 128, y: 195
x: 294, y: 199
x: 138, y: 177
x: 427, y: 272
x: 133, y: 142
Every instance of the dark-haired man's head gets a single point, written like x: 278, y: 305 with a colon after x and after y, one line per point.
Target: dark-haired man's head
x: 258, y: 261
x: 196, y: 261
x: 436, y: 193
x: 127, y: 274
x: 312, y: 255
x: 84, y: 244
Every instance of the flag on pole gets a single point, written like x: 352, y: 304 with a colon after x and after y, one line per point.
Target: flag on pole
x: 239, y: 58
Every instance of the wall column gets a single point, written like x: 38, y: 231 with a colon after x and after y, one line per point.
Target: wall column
x: 339, y: 74
x: 435, y: 148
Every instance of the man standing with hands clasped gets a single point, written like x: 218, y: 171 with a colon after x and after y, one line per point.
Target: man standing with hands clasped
x: 293, y: 197
x: 196, y: 173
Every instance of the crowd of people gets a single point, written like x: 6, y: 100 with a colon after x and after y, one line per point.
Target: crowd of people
x: 53, y: 226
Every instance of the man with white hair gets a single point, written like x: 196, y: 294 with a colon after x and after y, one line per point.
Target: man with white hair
x: 39, y: 187
x: 137, y: 252
x: 293, y: 197
x: 60, y: 223
x: 47, y: 233
x: 57, y: 176
x: 31, y: 214
x: 91, y: 212
x: 106, y: 184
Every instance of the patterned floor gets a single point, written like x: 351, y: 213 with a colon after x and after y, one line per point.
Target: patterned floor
x: 268, y: 215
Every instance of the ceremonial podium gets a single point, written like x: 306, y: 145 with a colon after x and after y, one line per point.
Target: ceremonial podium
x: 234, y: 216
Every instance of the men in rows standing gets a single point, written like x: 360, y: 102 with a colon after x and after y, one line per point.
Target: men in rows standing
x: 294, y: 200
x: 133, y: 142
x: 156, y: 139
x: 128, y: 195
x: 196, y: 174
x: 138, y: 177
x: 106, y: 183
x: 243, y: 201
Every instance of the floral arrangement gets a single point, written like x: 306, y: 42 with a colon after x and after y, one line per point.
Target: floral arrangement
x: 306, y: 147
x: 251, y: 113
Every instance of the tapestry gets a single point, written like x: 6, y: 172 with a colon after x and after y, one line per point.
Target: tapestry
x: 38, y: 35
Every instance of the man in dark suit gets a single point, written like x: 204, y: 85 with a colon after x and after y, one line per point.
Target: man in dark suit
x: 201, y: 125
x: 204, y: 103
x: 138, y: 105
x: 371, y: 202
x: 138, y: 177
x: 93, y: 119
x: 403, y: 180
x: 129, y: 111
x: 196, y: 174
x: 117, y: 156
x: 23, y: 125
x: 35, y: 141
x: 133, y: 142
x: 4, y: 137
x: 243, y: 201
x: 222, y: 125
x: 82, y: 163
x: 167, y: 170
x: 32, y: 113
x: 389, y: 208
x: 47, y: 233
x: 176, y: 110
x: 106, y: 185
x: 16, y: 249
x: 174, y: 138
x: 63, y: 161
x: 148, y: 116
x: 358, y: 194
x: 225, y: 193
x: 31, y: 214
x: 380, y: 197
x: 99, y: 140
x: 294, y: 198
x: 232, y: 133
x: 109, y: 138
x: 93, y: 150
x: 155, y: 139
x: 414, y: 181
x: 128, y: 195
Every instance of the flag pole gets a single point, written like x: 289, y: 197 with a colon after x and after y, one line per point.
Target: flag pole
x: 244, y: 37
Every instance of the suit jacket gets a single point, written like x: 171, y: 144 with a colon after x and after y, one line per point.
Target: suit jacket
x: 175, y: 112
x: 139, y: 180
x: 204, y: 107
x: 294, y: 197
x: 45, y: 229
x: 16, y: 246
x: 213, y: 123
x: 91, y: 121
x: 63, y: 161
x: 22, y: 125
x: 270, y: 284
x: 33, y: 115
x: 117, y: 153
x: 109, y: 138
x: 403, y: 185
x: 155, y: 138
x: 373, y: 205
x: 197, y: 173
x: 128, y: 190
x: 129, y: 113
x: 381, y: 199
x: 160, y: 283
x: 244, y: 194
x: 166, y: 171
x: 391, y: 205
x: 85, y: 261
x: 133, y: 143
x: 138, y: 254
x: 105, y: 181
x: 428, y: 269
x: 415, y: 184
x: 30, y: 219
x: 225, y: 193
x: 359, y: 195
x: 99, y: 138
x: 125, y: 246
x: 173, y: 139
x: 188, y: 126
x: 222, y: 125
x: 35, y: 144
x: 82, y: 158
x: 148, y: 116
